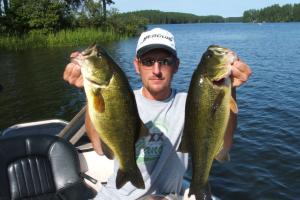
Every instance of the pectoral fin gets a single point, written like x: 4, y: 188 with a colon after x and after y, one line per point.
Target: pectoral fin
x: 223, y: 156
x: 99, y: 103
x: 233, y: 106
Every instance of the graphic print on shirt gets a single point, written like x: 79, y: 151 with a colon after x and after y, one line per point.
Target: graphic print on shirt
x: 149, y: 148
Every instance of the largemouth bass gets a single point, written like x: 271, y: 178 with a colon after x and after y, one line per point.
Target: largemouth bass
x: 207, y: 112
x: 113, y: 112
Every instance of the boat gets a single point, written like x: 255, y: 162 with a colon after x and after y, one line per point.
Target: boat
x: 94, y: 169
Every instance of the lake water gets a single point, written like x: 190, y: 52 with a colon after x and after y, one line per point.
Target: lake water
x: 265, y: 159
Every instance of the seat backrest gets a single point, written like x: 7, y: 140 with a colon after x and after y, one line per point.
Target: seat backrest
x: 40, y: 167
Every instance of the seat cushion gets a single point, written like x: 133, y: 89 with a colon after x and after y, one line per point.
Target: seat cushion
x: 40, y: 167
x: 30, y: 176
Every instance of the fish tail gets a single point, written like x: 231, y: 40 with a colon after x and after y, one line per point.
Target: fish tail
x: 133, y: 175
x: 200, y: 194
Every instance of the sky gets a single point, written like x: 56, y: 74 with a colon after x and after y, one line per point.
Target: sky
x: 225, y: 8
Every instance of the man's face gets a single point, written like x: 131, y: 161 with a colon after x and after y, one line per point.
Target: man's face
x: 156, y: 69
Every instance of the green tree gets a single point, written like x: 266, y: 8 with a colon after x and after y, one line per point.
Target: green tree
x: 104, y: 4
x: 46, y: 16
x: 24, y: 16
x: 93, y: 11
x: 212, y: 19
x: 159, y: 17
x: 296, y: 12
x: 287, y: 13
x: 126, y: 24
x: 251, y: 16
x: 274, y: 13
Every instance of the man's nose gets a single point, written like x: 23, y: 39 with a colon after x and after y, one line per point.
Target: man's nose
x: 156, y: 68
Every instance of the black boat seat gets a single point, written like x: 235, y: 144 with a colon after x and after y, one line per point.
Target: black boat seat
x: 40, y: 167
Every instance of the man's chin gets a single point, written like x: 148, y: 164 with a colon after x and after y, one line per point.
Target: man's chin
x: 158, y: 90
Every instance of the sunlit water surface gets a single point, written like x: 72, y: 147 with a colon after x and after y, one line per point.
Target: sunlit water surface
x: 265, y: 159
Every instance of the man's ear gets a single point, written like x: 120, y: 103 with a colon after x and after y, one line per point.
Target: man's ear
x: 176, y: 65
x: 136, y: 65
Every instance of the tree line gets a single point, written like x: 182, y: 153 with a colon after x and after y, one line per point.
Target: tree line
x: 274, y: 13
x: 160, y: 17
x: 20, y: 17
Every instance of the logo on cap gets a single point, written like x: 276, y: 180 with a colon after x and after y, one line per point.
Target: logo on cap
x: 158, y: 36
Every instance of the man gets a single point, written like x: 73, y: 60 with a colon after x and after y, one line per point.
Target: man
x: 161, y: 108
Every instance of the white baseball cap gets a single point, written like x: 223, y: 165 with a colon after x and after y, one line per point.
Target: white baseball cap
x: 156, y: 38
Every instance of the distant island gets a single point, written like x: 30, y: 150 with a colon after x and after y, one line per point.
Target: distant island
x: 160, y: 17
x: 274, y: 13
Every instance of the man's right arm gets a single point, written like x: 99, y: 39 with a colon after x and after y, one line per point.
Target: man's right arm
x: 92, y: 134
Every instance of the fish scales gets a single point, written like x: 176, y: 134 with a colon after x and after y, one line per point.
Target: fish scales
x: 207, y: 115
x: 113, y: 111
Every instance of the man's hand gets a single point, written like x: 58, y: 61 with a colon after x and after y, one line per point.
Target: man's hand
x: 240, y: 73
x: 72, y: 73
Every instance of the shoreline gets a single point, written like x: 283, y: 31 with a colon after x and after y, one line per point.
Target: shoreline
x: 62, y: 38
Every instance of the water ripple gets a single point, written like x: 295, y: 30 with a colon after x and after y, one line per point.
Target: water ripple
x: 265, y: 156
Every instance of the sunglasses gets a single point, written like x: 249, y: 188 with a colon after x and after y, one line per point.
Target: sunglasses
x: 149, y: 62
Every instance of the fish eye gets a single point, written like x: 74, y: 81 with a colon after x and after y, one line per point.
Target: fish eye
x: 209, y: 55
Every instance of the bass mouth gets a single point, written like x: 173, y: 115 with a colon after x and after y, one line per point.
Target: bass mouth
x: 219, y: 82
x: 222, y: 80
x: 93, y: 83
